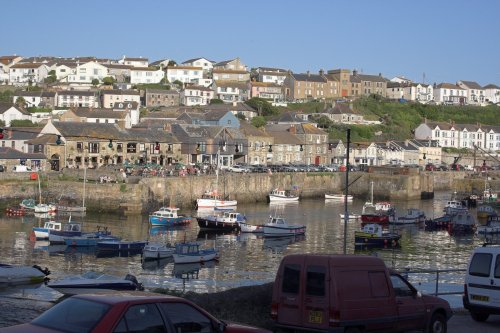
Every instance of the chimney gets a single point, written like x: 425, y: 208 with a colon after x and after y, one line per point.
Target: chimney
x: 308, y: 74
x: 321, y: 72
x: 9, y: 134
x: 167, y: 127
x: 380, y: 74
x: 354, y: 72
x: 292, y: 129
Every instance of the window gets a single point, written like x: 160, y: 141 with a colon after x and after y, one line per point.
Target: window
x: 401, y: 288
x: 141, y: 318
x: 187, y: 319
x: 291, y: 279
x: 94, y: 147
x: 315, y: 283
x: 480, y: 264
x: 131, y: 147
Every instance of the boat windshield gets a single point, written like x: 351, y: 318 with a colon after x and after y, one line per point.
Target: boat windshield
x: 73, y: 315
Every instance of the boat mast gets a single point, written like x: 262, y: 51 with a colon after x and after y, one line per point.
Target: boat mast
x: 39, y: 190
x: 84, y: 184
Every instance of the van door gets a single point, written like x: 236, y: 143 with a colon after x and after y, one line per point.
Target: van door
x: 289, y: 300
x: 483, y: 279
x: 411, y: 308
x: 315, y: 312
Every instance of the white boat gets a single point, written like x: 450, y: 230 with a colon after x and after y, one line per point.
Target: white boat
x: 17, y: 275
x: 190, y: 252
x: 252, y: 228
x: 43, y: 232
x: 412, y: 216
x: 277, y: 226
x: 339, y: 197
x: 454, y: 206
x: 76, y: 209
x: 381, y: 206
x: 212, y: 199
x: 157, y: 251
x: 70, y: 229
x: 92, y: 282
x: 278, y: 195
x: 350, y: 216
x: 42, y: 207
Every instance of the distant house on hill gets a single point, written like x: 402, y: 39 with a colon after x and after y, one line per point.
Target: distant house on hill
x: 10, y: 112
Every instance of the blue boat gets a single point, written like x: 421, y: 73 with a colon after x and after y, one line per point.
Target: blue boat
x: 68, y: 230
x: 190, y: 252
x: 120, y: 245
x: 167, y: 216
x: 88, y: 239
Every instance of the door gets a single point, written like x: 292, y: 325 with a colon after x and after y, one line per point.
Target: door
x: 411, y: 309
x: 316, y: 305
x: 289, y: 298
x: 317, y: 160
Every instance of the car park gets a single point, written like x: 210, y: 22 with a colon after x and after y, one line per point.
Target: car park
x: 482, y: 282
x: 128, y: 312
x: 350, y: 293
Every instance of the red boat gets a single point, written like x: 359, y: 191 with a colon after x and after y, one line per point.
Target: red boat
x: 375, y: 218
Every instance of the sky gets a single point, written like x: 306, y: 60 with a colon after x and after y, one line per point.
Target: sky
x: 429, y: 41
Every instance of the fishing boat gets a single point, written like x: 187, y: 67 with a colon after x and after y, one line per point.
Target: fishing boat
x: 228, y: 221
x: 157, y: 251
x: 91, y: 282
x: 376, y: 212
x: 454, y: 206
x: 338, y: 197
x: 491, y: 227
x: 280, y: 195
x: 120, y: 245
x: 167, y: 216
x: 412, y: 216
x: 212, y: 198
x: 278, y: 226
x: 462, y: 223
x: 373, y: 234
x: 90, y: 238
x: 17, y: 275
x: 69, y: 229
x: 43, y: 232
x: 484, y: 213
x: 28, y: 203
x: 190, y: 252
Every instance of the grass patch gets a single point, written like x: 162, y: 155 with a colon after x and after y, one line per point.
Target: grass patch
x: 123, y: 188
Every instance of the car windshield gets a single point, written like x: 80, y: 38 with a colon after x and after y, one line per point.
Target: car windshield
x: 73, y: 315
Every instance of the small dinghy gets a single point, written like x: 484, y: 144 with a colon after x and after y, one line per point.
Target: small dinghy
x: 157, y: 251
x: 91, y: 282
x: 17, y: 275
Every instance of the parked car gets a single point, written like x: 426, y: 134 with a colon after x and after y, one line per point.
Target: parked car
x: 468, y: 167
x: 350, y: 293
x: 128, y: 312
x: 238, y: 168
x: 482, y: 283
x: 430, y: 167
x: 21, y: 168
x: 442, y: 167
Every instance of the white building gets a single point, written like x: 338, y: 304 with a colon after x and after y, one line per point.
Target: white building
x: 449, y: 94
x: 492, y: 93
x: 271, y: 75
x: 112, y: 96
x: 474, y: 92
x: 23, y: 73
x: 86, y: 73
x: 231, y: 91
x: 9, y: 112
x: 196, y: 95
x: 204, y: 63
x: 134, y: 62
x: 68, y: 98
x: 184, y: 74
x: 141, y: 75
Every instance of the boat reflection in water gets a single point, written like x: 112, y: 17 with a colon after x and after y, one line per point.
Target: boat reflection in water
x: 118, y: 253
x: 51, y: 249
x: 157, y: 264
x: 280, y: 244
x: 191, y: 270
x: 216, y: 234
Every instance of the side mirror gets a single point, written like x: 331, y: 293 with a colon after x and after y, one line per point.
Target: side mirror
x: 221, y: 327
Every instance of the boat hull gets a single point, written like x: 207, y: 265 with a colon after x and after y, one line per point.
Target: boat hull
x: 273, y: 231
x: 201, y: 256
x: 17, y: 275
x: 120, y: 245
x: 374, y: 218
x: 211, y: 203
x: 339, y: 197
x: 250, y: 228
x: 168, y: 222
x: 157, y: 251
x: 275, y: 198
x: 211, y: 223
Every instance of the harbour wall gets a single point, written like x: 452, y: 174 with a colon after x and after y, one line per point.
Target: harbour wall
x: 137, y: 194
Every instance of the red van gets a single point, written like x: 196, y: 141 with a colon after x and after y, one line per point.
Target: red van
x: 349, y: 293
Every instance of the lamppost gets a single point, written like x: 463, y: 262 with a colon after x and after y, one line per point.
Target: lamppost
x: 346, y: 214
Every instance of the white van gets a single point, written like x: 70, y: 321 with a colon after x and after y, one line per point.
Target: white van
x: 482, y: 282
x: 21, y: 168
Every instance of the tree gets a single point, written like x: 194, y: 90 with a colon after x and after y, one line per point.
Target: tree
x: 20, y: 102
x: 263, y: 107
x: 95, y: 82
x: 258, y: 121
x: 172, y: 63
x: 324, y: 122
x: 108, y: 80
x: 216, y: 101
x: 51, y: 78
x: 241, y: 116
x: 179, y: 83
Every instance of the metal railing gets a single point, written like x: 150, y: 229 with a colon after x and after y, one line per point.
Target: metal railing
x: 437, y: 273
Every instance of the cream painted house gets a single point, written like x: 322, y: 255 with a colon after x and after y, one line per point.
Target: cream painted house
x: 184, y: 74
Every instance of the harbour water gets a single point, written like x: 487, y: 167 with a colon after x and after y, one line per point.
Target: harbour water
x: 245, y: 259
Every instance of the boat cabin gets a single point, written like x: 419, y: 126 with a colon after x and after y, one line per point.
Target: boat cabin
x: 277, y: 221
x: 373, y: 228
x: 213, y: 195
x: 166, y: 212
x: 52, y: 225
x: 187, y: 248
x: 72, y: 227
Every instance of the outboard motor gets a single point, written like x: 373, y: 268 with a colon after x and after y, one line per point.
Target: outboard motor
x: 44, y: 271
x: 133, y: 279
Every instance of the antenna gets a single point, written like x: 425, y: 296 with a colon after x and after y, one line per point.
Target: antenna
x: 423, y: 77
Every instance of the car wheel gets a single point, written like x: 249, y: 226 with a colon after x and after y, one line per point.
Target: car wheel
x: 479, y: 316
x: 437, y: 324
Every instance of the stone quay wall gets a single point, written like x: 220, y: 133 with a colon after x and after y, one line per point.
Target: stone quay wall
x: 136, y: 194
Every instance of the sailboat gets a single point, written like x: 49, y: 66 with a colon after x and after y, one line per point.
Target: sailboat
x: 82, y: 208
x: 212, y: 198
x: 42, y: 207
x: 376, y: 212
